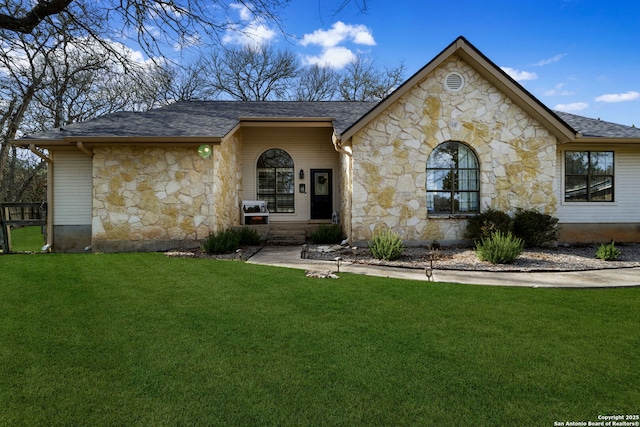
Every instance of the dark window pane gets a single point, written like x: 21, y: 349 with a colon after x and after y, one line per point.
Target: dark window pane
x: 575, y: 189
x: 601, y: 163
x: 275, y: 158
x: 576, y: 162
x: 266, y: 181
x: 284, y: 203
x: 467, y: 202
x: 440, y: 202
x: 439, y: 179
x: 601, y: 189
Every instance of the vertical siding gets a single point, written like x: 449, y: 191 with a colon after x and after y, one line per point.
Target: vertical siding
x: 72, y: 188
x: 310, y: 148
x: 626, y: 205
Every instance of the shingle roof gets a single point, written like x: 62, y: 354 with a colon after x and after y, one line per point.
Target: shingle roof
x: 598, y: 128
x: 218, y: 118
x: 205, y: 118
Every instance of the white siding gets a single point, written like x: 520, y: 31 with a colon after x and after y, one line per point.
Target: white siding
x: 310, y: 148
x: 626, y: 205
x: 72, y: 188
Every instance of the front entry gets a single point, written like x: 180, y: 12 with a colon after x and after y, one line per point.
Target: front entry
x: 321, y: 194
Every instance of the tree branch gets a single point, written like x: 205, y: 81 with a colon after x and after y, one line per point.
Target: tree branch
x: 28, y: 22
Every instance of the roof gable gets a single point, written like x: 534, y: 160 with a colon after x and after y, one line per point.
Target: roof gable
x: 488, y: 70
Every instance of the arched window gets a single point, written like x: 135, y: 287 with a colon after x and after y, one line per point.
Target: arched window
x: 276, y: 180
x: 453, y: 180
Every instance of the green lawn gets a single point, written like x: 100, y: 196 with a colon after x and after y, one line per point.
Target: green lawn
x: 27, y: 239
x: 140, y: 339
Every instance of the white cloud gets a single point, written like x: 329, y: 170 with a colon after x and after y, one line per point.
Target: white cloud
x: 335, y: 57
x: 619, y: 97
x: 252, y: 31
x: 575, y: 106
x: 339, y: 33
x: 333, y: 53
x: 557, y: 90
x: 550, y: 60
x: 519, y: 75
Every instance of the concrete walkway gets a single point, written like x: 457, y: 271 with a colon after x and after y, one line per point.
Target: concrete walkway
x: 289, y: 256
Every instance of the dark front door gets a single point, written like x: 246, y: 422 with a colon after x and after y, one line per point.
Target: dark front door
x: 321, y: 194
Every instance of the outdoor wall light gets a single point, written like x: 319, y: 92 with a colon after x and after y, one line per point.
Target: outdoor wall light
x: 301, y: 173
x: 204, y: 151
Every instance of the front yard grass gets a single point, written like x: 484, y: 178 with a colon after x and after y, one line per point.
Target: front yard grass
x: 140, y: 339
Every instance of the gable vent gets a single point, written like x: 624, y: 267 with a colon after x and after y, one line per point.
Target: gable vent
x: 454, y: 82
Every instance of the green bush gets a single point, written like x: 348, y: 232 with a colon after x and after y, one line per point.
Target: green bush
x: 535, y: 228
x: 249, y: 237
x: 500, y: 248
x: 608, y: 252
x: 386, y: 245
x: 327, y: 234
x: 483, y: 225
x: 222, y: 242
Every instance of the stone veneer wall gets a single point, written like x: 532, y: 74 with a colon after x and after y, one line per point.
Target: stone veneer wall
x: 517, y: 157
x: 150, y: 198
x: 227, y: 182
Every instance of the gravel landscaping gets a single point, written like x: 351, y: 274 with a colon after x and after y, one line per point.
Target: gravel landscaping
x: 562, y: 258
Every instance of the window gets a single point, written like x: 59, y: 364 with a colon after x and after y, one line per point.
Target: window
x: 276, y: 180
x: 453, y: 183
x: 588, y: 176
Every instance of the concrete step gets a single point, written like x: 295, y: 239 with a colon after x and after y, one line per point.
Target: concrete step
x: 284, y: 236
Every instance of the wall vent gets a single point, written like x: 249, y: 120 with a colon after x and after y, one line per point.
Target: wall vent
x: 454, y: 82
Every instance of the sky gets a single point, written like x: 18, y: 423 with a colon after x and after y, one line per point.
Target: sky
x: 577, y: 56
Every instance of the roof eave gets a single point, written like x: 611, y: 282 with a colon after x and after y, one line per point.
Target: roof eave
x: 604, y: 140
x: 72, y: 141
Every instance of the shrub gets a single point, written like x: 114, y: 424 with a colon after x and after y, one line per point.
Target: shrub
x: 386, y: 245
x: 222, y: 242
x: 327, y: 234
x: 608, y: 252
x: 500, y: 248
x: 535, y: 228
x: 483, y: 225
x: 249, y: 237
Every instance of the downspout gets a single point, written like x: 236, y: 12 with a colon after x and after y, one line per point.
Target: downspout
x: 49, y: 226
x: 337, y: 145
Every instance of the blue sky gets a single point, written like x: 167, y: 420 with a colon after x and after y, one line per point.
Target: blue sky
x: 579, y: 56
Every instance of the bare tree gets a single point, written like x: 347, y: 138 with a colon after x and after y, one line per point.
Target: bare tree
x: 154, y: 24
x: 49, y: 79
x: 361, y: 81
x: 316, y: 83
x: 253, y: 73
x: 184, y: 82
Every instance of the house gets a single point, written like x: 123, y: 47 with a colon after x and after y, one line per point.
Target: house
x: 457, y: 137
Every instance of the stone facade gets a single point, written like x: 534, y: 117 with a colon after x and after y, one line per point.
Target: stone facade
x: 517, y: 156
x: 227, y: 184
x: 150, y: 198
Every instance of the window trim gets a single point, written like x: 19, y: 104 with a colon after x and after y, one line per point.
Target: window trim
x: 452, y: 213
x: 589, y: 201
